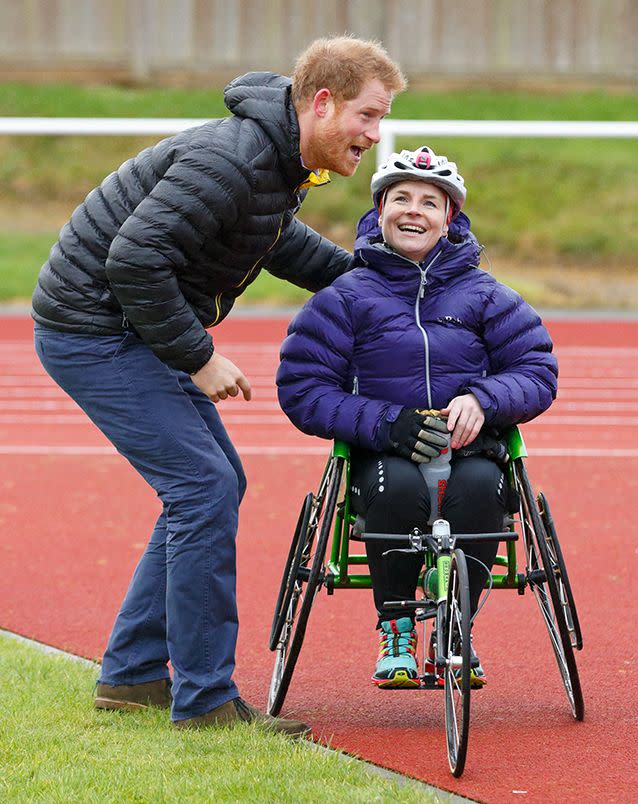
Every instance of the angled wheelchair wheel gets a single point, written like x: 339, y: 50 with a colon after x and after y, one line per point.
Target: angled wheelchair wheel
x: 551, y: 589
x: 457, y: 652
x: 297, y: 557
x: 565, y: 589
x: 303, y: 576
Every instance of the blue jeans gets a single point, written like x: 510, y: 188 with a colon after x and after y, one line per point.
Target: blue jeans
x: 181, y: 603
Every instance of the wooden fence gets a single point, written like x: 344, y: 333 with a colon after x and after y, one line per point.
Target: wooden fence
x: 141, y: 40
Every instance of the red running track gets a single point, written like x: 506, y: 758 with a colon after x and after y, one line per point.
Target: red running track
x: 75, y: 519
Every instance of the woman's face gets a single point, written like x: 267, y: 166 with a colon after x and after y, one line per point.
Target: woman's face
x: 413, y: 218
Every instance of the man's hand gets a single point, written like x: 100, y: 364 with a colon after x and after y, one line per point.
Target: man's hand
x: 418, y: 435
x: 219, y: 379
x: 465, y: 418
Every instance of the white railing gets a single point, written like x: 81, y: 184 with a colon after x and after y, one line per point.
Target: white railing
x: 96, y: 125
x: 390, y: 129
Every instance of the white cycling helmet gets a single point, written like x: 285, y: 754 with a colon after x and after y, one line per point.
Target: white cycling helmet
x: 420, y: 165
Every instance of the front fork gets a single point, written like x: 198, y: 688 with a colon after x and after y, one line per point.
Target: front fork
x: 443, y: 565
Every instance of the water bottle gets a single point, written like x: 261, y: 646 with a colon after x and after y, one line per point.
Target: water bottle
x: 436, y: 473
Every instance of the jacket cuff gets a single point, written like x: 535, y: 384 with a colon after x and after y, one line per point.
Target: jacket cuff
x: 198, y: 360
x: 383, y: 433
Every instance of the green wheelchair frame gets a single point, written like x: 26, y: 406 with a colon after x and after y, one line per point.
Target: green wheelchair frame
x: 326, y: 517
x: 339, y: 575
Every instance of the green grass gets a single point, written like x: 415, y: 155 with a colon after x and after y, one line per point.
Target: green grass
x: 55, y: 747
x: 21, y: 256
x: 538, y: 202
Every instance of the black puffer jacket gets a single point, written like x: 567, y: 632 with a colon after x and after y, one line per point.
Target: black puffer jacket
x: 167, y: 242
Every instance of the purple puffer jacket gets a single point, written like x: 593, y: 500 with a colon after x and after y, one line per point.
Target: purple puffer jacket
x: 393, y: 333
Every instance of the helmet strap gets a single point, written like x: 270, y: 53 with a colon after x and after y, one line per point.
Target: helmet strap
x: 449, y: 210
x: 382, y: 200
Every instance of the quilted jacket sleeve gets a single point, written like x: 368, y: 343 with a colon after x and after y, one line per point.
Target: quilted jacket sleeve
x: 316, y: 370
x: 307, y: 259
x: 197, y: 196
x: 522, y: 380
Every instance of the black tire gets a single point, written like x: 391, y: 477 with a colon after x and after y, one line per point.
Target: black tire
x: 560, y: 571
x: 297, y: 557
x: 456, y: 648
x: 306, y: 582
x: 543, y: 576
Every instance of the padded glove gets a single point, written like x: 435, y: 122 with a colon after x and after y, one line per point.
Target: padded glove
x: 419, y: 435
x: 487, y: 445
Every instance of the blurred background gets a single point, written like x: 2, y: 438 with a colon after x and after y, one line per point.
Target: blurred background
x: 557, y: 216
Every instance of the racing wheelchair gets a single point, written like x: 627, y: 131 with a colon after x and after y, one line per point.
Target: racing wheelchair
x: 444, y: 605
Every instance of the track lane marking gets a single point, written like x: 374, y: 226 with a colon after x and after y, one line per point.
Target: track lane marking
x: 547, y: 452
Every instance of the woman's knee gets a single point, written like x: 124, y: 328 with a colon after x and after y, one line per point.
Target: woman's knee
x: 398, y: 494
x: 475, y: 484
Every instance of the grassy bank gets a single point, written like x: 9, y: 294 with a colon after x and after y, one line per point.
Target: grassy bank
x: 55, y: 747
x: 533, y: 202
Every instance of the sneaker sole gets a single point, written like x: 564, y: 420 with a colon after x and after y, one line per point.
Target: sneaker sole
x: 400, y: 680
x: 477, y: 682
x: 110, y: 703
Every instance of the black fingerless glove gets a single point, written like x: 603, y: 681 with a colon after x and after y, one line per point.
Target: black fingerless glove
x: 418, y: 435
x: 488, y: 445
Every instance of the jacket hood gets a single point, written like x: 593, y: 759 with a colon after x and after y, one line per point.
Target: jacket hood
x: 265, y: 98
x: 459, y: 249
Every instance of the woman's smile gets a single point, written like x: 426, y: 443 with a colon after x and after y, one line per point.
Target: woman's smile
x: 413, y: 218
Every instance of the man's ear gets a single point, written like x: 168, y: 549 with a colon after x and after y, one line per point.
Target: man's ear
x: 321, y: 102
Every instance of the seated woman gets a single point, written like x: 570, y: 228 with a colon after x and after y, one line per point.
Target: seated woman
x: 417, y: 325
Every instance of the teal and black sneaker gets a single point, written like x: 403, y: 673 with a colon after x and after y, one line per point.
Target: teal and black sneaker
x: 396, y: 666
x: 433, y: 676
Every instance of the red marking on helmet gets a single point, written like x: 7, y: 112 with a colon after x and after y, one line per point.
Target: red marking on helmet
x: 423, y: 160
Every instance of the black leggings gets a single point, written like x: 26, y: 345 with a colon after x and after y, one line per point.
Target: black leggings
x: 390, y: 493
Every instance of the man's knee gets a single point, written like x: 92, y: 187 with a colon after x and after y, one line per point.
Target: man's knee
x: 241, y: 483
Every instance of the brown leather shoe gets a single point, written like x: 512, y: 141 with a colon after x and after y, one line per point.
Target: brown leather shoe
x: 237, y: 711
x: 134, y: 696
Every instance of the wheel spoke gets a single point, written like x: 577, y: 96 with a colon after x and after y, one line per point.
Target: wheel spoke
x: 303, y: 581
x: 547, y: 578
x: 457, y: 669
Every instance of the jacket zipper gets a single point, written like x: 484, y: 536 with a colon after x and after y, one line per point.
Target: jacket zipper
x: 249, y: 272
x: 419, y: 296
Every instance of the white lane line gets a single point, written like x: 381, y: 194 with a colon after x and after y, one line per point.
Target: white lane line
x: 32, y: 393
x: 619, y: 394
x: 26, y: 344
x: 620, y: 421
x: 70, y: 418
x: 39, y: 404
x: 586, y: 382
x: 547, y: 452
x: 12, y: 380
x: 53, y: 401
x: 6, y: 418
x: 58, y: 400
x: 585, y: 405
x: 43, y: 449
x: 589, y: 351
x: 259, y: 421
x: 44, y: 648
